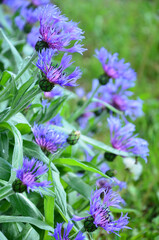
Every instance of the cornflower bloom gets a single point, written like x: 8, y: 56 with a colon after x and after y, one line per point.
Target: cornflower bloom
x: 122, y: 138
x: 53, y: 75
x: 26, y: 19
x: 56, y: 92
x: 57, y: 32
x: 60, y: 235
x: 48, y: 139
x: 115, y: 68
x: 33, y: 36
x: 28, y: 176
x: 100, y: 215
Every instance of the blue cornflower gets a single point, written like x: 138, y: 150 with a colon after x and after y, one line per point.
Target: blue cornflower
x: 56, y: 74
x: 33, y: 36
x: 56, y: 92
x: 115, y: 68
x: 28, y: 176
x: 48, y: 139
x: 57, y: 120
x: 60, y: 235
x: 122, y: 138
x: 26, y: 19
x: 100, y: 215
x: 57, y: 32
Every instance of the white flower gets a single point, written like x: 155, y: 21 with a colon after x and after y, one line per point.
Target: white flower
x: 135, y: 168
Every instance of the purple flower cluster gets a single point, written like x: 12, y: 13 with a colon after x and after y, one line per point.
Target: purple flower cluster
x: 100, y: 214
x: 60, y: 235
x: 48, y: 139
x: 122, y: 138
x: 30, y: 172
x: 56, y: 74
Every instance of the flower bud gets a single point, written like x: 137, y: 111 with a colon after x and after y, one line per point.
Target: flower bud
x: 45, y: 85
x: 103, y: 79
x: 89, y: 225
x: 109, y: 156
x: 73, y: 137
x: 18, y: 186
x: 40, y: 45
x: 111, y: 172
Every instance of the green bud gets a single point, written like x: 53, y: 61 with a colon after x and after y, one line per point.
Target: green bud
x: 103, y: 79
x: 40, y: 45
x: 89, y: 225
x: 73, y: 137
x: 18, y: 186
x: 45, y: 85
x: 109, y: 156
x: 111, y: 173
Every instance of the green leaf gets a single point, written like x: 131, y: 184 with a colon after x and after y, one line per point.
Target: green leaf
x: 49, y: 203
x: 54, y: 108
x: 2, y: 237
x: 17, y: 157
x: 30, y: 220
x: 86, y: 166
x: 104, y: 147
x: 21, y: 123
x: 6, y: 191
x: 124, y: 210
x: 5, y: 169
x: 25, y: 207
x: 78, y: 184
x: 28, y: 233
x: 32, y: 149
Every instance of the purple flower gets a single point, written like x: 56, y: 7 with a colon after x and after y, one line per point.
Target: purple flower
x: 48, y: 139
x: 59, y: 234
x: 40, y: 2
x: 56, y: 74
x: 115, y: 68
x: 30, y: 172
x: 56, y: 92
x: 57, y: 32
x: 33, y: 36
x: 110, y: 183
x: 57, y: 120
x: 100, y: 215
x: 122, y: 138
x: 26, y: 19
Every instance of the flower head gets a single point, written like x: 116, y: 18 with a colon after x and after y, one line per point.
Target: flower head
x: 48, y: 139
x: 58, y: 235
x: 56, y: 74
x: 122, y: 138
x: 100, y: 215
x: 115, y: 68
x: 29, y: 175
x: 57, y: 32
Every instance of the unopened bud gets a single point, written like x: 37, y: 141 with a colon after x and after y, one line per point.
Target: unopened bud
x: 111, y: 173
x: 109, y: 156
x: 73, y: 137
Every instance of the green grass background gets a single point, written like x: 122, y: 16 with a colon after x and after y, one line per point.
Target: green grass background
x: 131, y: 28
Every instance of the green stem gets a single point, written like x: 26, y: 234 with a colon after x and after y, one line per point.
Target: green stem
x: 81, y: 110
x: 26, y: 66
x: 49, y: 205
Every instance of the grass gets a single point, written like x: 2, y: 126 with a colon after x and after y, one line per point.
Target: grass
x: 131, y: 29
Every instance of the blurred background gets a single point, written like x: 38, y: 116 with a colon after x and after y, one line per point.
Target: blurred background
x: 130, y: 28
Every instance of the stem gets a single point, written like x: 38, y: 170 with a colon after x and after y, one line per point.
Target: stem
x: 81, y: 110
x: 49, y: 204
x: 26, y: 66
